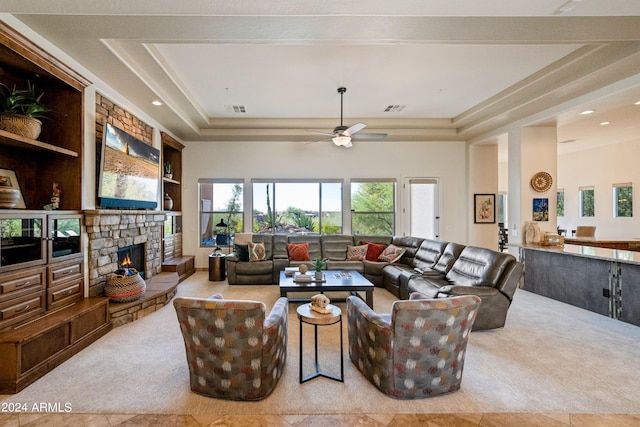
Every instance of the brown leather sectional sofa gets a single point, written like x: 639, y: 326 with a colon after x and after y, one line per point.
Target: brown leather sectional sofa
x: 431, y: 268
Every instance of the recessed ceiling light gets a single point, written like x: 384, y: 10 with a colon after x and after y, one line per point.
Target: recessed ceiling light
x: 637, y: 103
x: 156, y: 103
x: 605, y: 123
x: 585, y: 112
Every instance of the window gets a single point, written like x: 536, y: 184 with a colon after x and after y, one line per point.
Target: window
x: 502, y: 208
x: 220, y: 203
x: 297, y: 207
x: 587, y: 203
x: 622, y: 200
x: 560, y: 199
x: 373, y: 207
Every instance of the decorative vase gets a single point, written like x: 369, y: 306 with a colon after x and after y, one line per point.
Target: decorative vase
x: 9, y: 197
x: 168, y: 175
x: 303, y: 268
x: 20, y: 125
x: 168, y: 202
x: 318, y: 275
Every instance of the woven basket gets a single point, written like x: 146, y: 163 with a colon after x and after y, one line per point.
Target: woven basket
x: 121, y: 288
x: 20, y: 125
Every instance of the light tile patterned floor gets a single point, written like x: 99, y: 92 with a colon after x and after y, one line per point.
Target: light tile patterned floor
x: 372, y: 420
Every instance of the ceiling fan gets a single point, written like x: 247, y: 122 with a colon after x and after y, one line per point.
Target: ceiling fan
x: 342, y: 135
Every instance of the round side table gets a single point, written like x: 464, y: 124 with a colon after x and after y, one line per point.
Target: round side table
x: 311, y: 317
x: 216, y: 267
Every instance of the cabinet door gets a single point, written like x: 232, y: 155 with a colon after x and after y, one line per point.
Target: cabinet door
x: 65, y: 236
x: 22, y: 241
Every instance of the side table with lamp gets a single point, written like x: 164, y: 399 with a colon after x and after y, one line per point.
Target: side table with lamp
x: 217, y: 264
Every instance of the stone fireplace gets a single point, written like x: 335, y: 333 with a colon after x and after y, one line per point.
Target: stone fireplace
x: 109, y: 231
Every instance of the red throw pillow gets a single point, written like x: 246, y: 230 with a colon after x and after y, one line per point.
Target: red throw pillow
x: 374, y: 250
x: 298, y: 251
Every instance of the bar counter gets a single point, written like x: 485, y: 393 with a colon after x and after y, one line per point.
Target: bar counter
x: 602, y: 280
x: 624, y: 244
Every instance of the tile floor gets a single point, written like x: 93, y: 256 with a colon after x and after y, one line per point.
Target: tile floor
x: 349, y: 420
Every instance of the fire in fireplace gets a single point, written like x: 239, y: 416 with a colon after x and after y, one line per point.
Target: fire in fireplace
x: 130, y: 257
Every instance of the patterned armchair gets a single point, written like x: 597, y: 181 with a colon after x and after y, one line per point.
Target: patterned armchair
x: 234, y: 350
x: 415, y: 351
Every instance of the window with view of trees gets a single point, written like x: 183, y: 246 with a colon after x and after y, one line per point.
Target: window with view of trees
x: 297, y: 207
x: 373, y: 207
x: 560, y: 202
x: 220, y: 203
x: 622, y: 200
x: 587, y: 202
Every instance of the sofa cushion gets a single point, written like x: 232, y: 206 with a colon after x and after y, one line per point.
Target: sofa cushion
x: 242, y: 251
x: 374, y: 250
x: 357, y: 253
x: 410, y: 244
x: 478, y: 267
x: 298, y: 251
x: 428, y: 254
x: 448, y: 257
x: 334, y: 246
x: 391, y: 254
x: 257, y: 251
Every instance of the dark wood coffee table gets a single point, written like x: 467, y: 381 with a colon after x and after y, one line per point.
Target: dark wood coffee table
x: 334, y: 281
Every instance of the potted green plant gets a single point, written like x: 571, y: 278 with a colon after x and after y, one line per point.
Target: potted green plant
x: 168, y: 170
x: 318, y: 265
x: 20, y: 110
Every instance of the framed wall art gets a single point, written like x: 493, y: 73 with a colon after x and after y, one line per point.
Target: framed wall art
x: 484, y: 208
x: 10, y: 194
x: 541, y: 209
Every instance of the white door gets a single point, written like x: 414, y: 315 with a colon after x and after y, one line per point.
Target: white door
x: 422, y: 208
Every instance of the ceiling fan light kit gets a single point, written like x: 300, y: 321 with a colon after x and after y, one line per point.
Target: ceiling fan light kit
x: 342, y: 135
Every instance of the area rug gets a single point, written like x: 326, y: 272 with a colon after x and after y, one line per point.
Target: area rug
x: 550, y: 357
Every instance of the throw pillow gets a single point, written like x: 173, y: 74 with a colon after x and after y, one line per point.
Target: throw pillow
x: 242, y: 251
x: 391, y: 254
x: 257, y: 252
x: 374, y: 250
x: 298, y: 251
x: 356, y: 253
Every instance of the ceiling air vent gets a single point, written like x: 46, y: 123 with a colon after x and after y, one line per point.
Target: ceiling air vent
x: 394, y: 108
x: 235, y: 108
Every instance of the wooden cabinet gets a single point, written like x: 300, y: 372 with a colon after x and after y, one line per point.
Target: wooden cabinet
x: 41, y: 258
x: 58, y: 152
x: 172, y: 153
x: 22, y: 296
x: 28, y: 352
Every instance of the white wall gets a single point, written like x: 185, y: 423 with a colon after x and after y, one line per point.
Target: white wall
x: 483, y: 179
x: 367, y: 159
x: 601, y: 168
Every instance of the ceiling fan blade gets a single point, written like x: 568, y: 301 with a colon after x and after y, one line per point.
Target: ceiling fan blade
x: 369, y: 136
x: 320, y: 132
x: 354, y: 128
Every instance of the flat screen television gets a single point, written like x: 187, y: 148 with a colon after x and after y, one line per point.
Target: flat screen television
x: 129, y: 171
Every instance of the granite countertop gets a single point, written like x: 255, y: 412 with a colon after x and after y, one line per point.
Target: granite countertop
x: 630, y: 257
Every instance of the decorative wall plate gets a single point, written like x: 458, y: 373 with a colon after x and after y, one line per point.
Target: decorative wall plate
x: 541, y: 181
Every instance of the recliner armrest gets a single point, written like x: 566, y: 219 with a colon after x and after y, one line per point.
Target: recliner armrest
x: 452, y: 290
